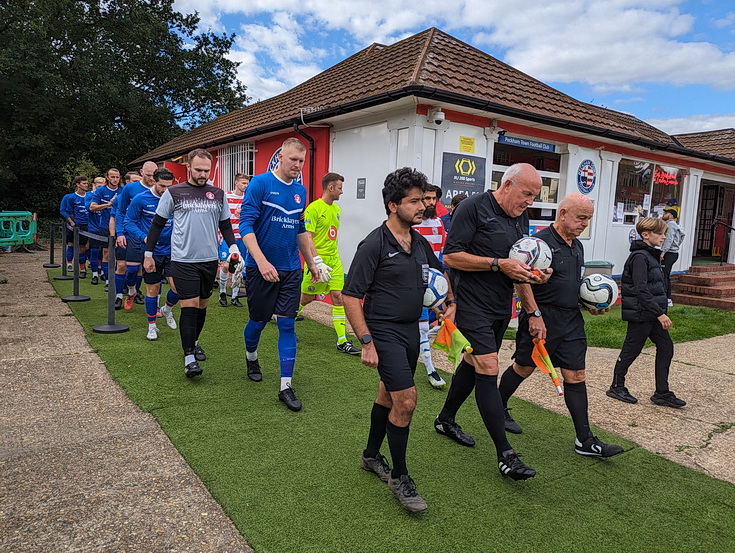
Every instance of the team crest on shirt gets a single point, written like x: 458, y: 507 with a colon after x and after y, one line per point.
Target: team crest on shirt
x: 434, y: 230
x: 210, y: 195
x: 297, y: 198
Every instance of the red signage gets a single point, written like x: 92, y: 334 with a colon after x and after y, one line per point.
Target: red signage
x: 668, y: 179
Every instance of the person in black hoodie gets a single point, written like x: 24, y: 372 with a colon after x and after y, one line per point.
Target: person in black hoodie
x: 644, y: 307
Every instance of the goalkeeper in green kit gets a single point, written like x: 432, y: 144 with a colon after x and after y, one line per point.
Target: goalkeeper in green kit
x: 321, y: 219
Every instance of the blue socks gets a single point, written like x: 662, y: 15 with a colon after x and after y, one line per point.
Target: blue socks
x: 151, y: 309
x: 286, y: 345
x: 172, y: 298
x: 251, y: 334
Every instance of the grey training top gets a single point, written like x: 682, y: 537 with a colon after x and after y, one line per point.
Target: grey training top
x: 197, y: 211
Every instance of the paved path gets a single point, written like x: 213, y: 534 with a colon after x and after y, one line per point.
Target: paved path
x: 81, y: 467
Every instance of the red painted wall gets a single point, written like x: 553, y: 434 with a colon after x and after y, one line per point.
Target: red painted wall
x: 179, y: 170
x: 266, y: 148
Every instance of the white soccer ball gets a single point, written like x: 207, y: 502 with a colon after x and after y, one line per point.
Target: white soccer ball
x: 436, y: 289
x: 534, y: 252
x: 598, y: 291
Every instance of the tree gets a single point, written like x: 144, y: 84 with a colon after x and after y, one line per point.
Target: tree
x: 103, y: 80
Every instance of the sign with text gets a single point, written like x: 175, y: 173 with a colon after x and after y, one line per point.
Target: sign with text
x: 360, y: 188
x: 467, y: 144
x: 526, y: 143
x: 462, y: 174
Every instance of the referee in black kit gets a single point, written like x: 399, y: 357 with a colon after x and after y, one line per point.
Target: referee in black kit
x: 484, y: 227
x: 551, y: 312
x: 390, y: 271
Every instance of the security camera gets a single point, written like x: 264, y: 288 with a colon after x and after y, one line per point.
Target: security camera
x: 437, y: 116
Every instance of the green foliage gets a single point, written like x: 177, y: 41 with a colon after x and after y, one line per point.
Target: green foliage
x: 101, y: 81
x: 291, y: 481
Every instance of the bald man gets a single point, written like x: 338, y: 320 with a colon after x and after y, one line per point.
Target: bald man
x: 551, y: 311
x: 128, y: 273
x: 484, y: 228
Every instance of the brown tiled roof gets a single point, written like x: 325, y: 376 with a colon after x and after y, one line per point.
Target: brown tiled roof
x: 720, y: 142
x: 431, y: 65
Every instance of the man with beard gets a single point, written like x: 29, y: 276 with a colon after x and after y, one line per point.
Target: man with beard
x: 199, y: 210
x: 431, y: 228
x: 387, y: 324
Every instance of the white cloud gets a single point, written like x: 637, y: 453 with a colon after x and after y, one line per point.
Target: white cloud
x: 697, y: 123
x: 612, y: 46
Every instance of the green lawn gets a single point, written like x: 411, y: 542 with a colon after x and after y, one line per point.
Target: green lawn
x: 690, y: 323
x: 291, y: 481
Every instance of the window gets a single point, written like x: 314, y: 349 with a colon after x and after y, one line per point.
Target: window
x: 237, y: 158
x: 645, y: 189
x: 548, y: 166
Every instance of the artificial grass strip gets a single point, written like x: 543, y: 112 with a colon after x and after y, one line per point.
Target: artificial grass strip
x: 291, y: 481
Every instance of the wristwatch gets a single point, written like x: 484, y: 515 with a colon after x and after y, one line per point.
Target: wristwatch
x: 365, y: 339
x: 449, y: 302
x: 495, y: 267
x: 536, y: 313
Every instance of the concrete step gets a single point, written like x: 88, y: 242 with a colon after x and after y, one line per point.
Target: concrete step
x: 727, y: 304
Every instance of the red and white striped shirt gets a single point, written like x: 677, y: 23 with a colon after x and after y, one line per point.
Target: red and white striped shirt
x: 433, y: 231
x: 235, y: 202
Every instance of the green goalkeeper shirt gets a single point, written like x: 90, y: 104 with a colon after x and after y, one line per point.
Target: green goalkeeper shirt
x: 322, y: 220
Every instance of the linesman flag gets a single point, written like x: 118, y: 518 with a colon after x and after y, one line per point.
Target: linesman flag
x: 451, y: 340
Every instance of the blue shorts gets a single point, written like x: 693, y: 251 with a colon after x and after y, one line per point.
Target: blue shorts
x: 134, y: 252
x: 266, y: 299
x: 224, y: 250
x: 163, y: 269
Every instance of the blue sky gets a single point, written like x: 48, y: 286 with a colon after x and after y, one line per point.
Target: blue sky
x: 668, y: 62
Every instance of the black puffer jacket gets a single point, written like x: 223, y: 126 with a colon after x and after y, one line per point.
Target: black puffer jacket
x: 643, y: 284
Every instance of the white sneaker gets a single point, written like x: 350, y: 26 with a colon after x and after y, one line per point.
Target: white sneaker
x: 69, y: 268
x: 170, y: 321
x: 152, y: 332
x: 436, y: 381
x: 670, y: 303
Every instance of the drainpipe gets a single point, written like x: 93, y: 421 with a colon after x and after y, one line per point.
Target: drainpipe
x: 312, y: 151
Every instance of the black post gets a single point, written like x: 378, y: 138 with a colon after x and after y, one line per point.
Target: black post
x: 111, y: 327
x: 63, y: 275
x: 51, y: 264
x: 75, y: 296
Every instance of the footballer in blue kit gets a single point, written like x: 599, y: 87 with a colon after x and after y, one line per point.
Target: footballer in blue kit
x: 74, y: 211
x: 274, y: 234
x: 100, y: 209
x: 138, y: 219
x: 128, y: 271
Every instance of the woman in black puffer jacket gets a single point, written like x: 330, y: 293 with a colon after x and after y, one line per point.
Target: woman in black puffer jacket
x: 644, y: 307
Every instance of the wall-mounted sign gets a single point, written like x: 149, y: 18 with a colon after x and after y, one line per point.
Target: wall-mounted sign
x: 361, y: 186
x: 586, y: 176
x: 462, y: 173
x: 526, y: 143
x: 632, y: 236
x: 273, y: 163
x: 467, y: 144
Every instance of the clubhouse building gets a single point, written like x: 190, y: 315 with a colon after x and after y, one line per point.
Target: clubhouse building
x: 462, y: 117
